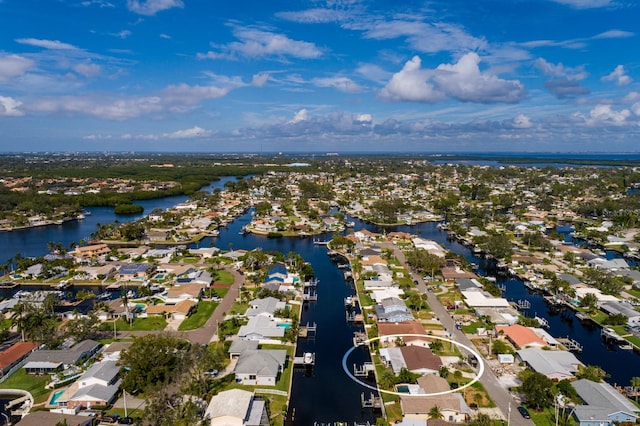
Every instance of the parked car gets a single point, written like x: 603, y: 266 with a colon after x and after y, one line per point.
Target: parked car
x: 524, y: 412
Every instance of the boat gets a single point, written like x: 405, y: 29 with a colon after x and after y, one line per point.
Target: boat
x: 308, y: 358
x: 62, y: 285
x: 542, y: 321
x: 626, y: 347
x: 351, y: 224
x: 103, y: 296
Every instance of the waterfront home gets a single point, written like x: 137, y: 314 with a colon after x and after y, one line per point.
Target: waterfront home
x: 239, y: 346
x: 604, y: 405
x: 91, y: 251
x: 261, y: 328
x: 195, y: 277
x: 429, y: 246
x: 95, y: 272
x: 452, y: 406
x: 264, y: 307
x: 388, y: 332
x: 556, y: 365
x: 481, y: 299
x: 379, y: 284
x: 135, y: 271
x: 205, y: 252
x: 236, y: 407
x: 379, y: 295
x: 50, y: 360
x: 611, y: 265
x: 260, y: 367
x: 522, y: 337
x: 46, y: 418
x: 12, y: 356
x: 97, y: 386
x: 583, y: 289
x: 622, y: 307
x: 393, y: 309
x: 417, y: 359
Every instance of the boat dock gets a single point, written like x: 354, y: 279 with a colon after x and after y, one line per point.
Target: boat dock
x: 542, y: 321
x: 355, y: 318
x: 308, y: 330
x: 307, y: 359
x: 8, y: 284
x: 609, y: 334
x: 570, y: 344
x: 360, y: 338
x: 364, y: 371
x: 371, y: 402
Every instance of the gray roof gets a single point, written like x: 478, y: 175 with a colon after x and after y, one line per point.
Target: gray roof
x: 232, y: 403
x: 571, y: 279
x: 267, y: 305
x: 69, y: 356
x: 623, y: 308
x: 96, y: 392
x: 465, y: 284
x: 261, y: 327
x: 550, y: 362
x: 105, y: 371
x: 134, y: 268
x: 601, y: 401
x: 239, y: 346
x: 261, y: 362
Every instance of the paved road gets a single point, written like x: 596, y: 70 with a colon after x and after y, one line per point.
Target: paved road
x: 499, y: 394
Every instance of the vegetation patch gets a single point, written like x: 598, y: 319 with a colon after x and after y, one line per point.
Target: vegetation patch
x: 203, y: 312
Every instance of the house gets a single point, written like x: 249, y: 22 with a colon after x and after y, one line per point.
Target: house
x: 96, y: 272
x: 521, y: 336
x: 260, y: 367
x: 98, y: 385
x: 260, y: 328
x: 264, y: 307
x: 178, y: 311
x: 90, y: 251
x: 46, y: 418
x: 239, y: 346
x: 195, y: 277
x: 452, y: 406
x: 236, y: 407
x: 411, y: 332
x: 178, y: 293
x: 416, y: 359
x: 371, y: 285
x: 12, y: 356
x: 624, y: 308
x: 556, y: 365
x: 50, y: 360
x: 604, y: 405
x: 393, y: 309
x: 480, y: 299
x: 429, y: 246
x: 135, y: 271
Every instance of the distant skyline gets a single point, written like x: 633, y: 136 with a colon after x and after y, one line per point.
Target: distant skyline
x: 320, y: 76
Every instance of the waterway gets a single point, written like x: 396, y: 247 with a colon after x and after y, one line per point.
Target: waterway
x: 325, y: 394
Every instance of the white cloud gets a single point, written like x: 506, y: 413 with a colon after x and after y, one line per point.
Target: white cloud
x: 636, y: 108
x: 364, y: 118
x: 614, y: 34
x: 313, y: 16
x: 122, y: 34
x: 165, y: 36
x: 256, y: 43
x: 88, y: 69
x: 9, y: 107
x: 619, y: 76
x: 373, y: 72
x: 13, y: 66
x: 586, y: 4
x: 46, y: 44
x: 151, y: 7
x: 302, y: 115
x: 411, y: 84
x: 604, y: 114
x: 521, y: 121
x: 465, y: 82
x: 194, y: 132
x: 260, y: 79
x: 560, y: 71
x: 343, y: 84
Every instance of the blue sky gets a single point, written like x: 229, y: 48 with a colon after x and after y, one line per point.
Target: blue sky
x: 320, y: 76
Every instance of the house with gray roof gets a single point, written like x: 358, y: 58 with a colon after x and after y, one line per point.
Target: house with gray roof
x: 260, y: 328
x: 393, y: 309
x: 265, y: 307
x: 556, y: 365
x: 47, y: 360
x: 236, y: 407
x: 624, y: 308
x: 603, y: 405
x: 260, y: 367
x: 239, y: 346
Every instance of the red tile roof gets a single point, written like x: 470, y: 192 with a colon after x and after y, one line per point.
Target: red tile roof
x: 15, y: 352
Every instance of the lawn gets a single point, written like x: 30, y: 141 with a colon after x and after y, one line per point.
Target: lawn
x: 203, y: 312
x: 31, y: 383
x: 141, y: 324
x: 223, y: 277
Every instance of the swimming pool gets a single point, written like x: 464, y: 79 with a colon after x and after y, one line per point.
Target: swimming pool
x: 402, y: 388
x: 284, y: 325
x: 55, y: 397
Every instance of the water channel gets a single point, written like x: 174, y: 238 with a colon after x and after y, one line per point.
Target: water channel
x: 325, y: 394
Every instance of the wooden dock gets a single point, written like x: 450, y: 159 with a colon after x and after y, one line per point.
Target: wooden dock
x: 365, y: 370
x: 360, y: 338
x: 307, y: 330
x: 371, y: 402
x: 355, y: 318
x: 570, y: 344
x: 8, y: 284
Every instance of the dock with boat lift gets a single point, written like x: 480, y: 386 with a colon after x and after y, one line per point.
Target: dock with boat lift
x: 308, y: 330
x: 355, y: 318
x: 308, y: 359
x: 570, y: 344
x: 365, y: 370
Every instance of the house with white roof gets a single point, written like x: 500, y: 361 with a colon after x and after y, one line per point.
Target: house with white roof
x: 236, y: 407
x: 264, y: 307
x: 98, y: 385
x: 261, y: 328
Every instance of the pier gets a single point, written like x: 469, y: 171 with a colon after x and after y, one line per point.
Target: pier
x: 360, y: 338
x: 364, y: 371
x: 307, y: 359
x: 355, y: 318
x: 570, y: 344
x: 308, y: 330
x: 610, y: 335
x: 371, y: 402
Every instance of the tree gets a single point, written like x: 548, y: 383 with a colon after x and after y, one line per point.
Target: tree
x: 150, y: 361
x: 84, y: 327
x: 591, y: 372
x: 535, y: 388
x: 589, y: 301
x: 635, y: 383
x: 435, y: 413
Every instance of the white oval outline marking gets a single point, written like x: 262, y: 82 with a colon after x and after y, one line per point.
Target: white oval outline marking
x: 375, y: 388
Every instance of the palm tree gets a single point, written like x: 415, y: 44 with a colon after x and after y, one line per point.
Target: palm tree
x: 435, y: 413
x: 18, y: 316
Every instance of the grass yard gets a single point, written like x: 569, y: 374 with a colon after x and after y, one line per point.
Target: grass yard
x: 203, y: 312
x: 141, y: 324
x: 31, y: 383
x: 224, y: 277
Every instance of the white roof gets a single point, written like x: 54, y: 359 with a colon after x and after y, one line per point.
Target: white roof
x: 232, y: 403
x: 479, y: 299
